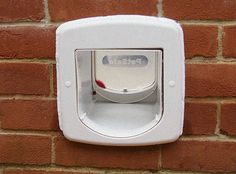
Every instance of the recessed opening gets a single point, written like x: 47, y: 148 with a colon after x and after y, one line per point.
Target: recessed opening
x: 103, y: 110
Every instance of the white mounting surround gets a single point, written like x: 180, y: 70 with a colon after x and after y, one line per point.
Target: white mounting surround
x: 120, y: 80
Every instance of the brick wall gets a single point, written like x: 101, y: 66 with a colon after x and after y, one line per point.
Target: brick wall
x: 30, y: 140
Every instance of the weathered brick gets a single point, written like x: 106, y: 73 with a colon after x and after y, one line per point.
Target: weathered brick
x: 200, y: 40
x: 29, y: 114
x: 200, y: 156
x: 77, y: 154
x: 199, y: 118
x: 25, y: 149
x: 61, y: 10
x: 228, y: 119
x: 229, y: 41
x: 210, y: 80
x: 200, y: 10
x: 27, y: 42
x: 24, y: 78
x: 21, y: 10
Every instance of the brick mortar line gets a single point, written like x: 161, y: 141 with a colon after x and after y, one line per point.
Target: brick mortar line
x: 124, y: 171
x: 228, y: 102
x: 209, y: 61
x: 30, y: 133
x: 131, y: 171
x: 207, y: 22
x: 47, y: 18
x: 218, y: 115
x: 200, y: 59
x: 49, y: 168
x: 166, y: 171
x: 95, y: 170
x: 217, y: 59
x: 228, y: 59
x: 159, y: 8
x: 53, y: 151
x: 216, y: 138
x: 220, y: 44
x: 103, y: 170
x: 27, y: 60
x: 127, y: 171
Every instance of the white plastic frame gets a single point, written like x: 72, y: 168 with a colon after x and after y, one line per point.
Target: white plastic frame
x: 121, y: 32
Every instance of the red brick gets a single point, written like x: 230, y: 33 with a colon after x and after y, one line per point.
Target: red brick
x: 77, y: 154
x: 200, y: 156
x: 61, y: 10
x: 24, y: 78
x: 203, y: 10
x: 199, y: 118
x: 229, y: 41
x: 27, y: 42
x: 12, y: 171
x: 21, y: 10
x: 200, y: 40
x: 29, y: 114
x: 20, y: 149
x: 210, y: 80
x: 228, y: 119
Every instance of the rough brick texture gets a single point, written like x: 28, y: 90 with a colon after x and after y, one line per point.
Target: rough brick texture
x: 209, y: 80
x: 17, y: 149
x: 200, y: 118
x: 200, y: 10
x: 200, y: 40
x: 76, y: 154
x: 228, y: 119
x: 61, y: 10
x: 200, y: 156
x: 28, y: 114
x: 42, y: 172
x: 229, y: 41
x: 27, y: 42
x: 24, y: 78
x: 21, y: 10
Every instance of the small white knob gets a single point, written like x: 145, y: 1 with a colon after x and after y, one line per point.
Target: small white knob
x: 68, y: 84
x: 171, y: 83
